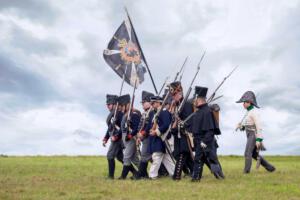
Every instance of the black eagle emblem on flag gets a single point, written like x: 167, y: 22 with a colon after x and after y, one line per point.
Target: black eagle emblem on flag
x: 124, y: 55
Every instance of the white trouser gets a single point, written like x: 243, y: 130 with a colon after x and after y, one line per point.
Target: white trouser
x: 171, y: 143
x: 165, y: 159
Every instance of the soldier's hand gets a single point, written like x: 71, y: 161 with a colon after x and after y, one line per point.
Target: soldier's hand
x: 174, y: 125
x: 104, y: 141
x: 114, y: 138
x: 240, y: 127
x: 128, y: 137
x: 153, y: 132
x: 258, y: 144
x: 141, y: 135
x: 203, y: 145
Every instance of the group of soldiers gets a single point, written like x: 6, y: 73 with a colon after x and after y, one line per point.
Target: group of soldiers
x: 174, y: 134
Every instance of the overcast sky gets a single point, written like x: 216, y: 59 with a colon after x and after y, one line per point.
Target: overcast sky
x: 53, y: 78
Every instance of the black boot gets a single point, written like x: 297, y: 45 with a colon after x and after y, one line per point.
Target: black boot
x: 220, y: 173
x: 217, y: 171
x: 142, y: 173
x: 111, y: 168
x: 125, y: 172
x: 186, y: 171
x: 178, y: 168
x: 197, y: 172
x: 189, y: 165
x: 162, y: 171
x: 145, y: 170
x: 267, y: 165
x: 133, y: 171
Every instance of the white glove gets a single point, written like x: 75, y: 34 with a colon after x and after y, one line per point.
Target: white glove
x: 112, y: 120
x: 203, y: 145
x: 181, y: 124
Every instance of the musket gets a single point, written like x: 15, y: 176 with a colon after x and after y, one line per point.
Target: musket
x: 181, y: 69
x: 167, y: 94
x: 145, y: 119
x: 216, y: 98
x: 162, y: 87
x: 191, y: 85
x: 180, y: 108
x: 113, y: 120
x: 176, y: 76
x: 154, y: 127
x: 189, y: 90
x: 130, y: 107
x: 180, y: 78
x: 245, y: 115
x: 209, y: 100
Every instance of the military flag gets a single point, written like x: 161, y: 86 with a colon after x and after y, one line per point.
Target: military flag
x: 125, y: 56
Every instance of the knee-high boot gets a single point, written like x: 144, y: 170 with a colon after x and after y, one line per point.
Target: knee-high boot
x: 111, y: 168
x: 178, y: 168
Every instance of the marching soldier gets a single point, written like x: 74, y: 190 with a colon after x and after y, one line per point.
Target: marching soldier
x: 143, y: 135
x: 215, y: 108
x: 183, y: 152
x: 156, y: 145
x: 129, y: 127
x: 252, y: 125
x: 114, y: 133
x: 204, y: 129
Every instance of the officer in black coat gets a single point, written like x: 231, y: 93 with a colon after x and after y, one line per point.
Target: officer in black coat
x: 182, y: 144
x: 113, y: 133
x: 204, y: 129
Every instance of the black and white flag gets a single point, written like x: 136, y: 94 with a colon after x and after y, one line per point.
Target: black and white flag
x: 124, y: 54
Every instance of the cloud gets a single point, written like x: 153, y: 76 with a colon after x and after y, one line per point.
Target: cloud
x: 26, y: 41
x: 54, y: 79
x: 35, y: 10
x: 25, y: 88
x: 58, y: 128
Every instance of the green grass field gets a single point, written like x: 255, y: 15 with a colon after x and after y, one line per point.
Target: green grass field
x: 63, y: 177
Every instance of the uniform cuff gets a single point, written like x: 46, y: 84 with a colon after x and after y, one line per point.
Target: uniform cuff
x: 259, y: 140
x: 143, y: 133
x: 158, y: 133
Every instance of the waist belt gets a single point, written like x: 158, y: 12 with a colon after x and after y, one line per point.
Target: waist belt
x: 250, y: 128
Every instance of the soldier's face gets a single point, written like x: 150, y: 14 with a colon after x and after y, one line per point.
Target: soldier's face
x: 200, y: 101
x: 109, y: 106
x: 155, y: 104
x: 146, y: 105
x: 178, y: 96
x: 246, y: 105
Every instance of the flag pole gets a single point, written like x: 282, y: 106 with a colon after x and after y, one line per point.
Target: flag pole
x: 141, y: 50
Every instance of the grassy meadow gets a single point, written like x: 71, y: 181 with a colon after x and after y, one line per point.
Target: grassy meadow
x: 83, y: 177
